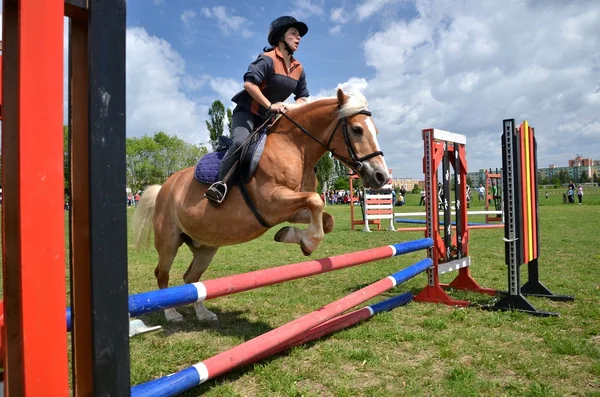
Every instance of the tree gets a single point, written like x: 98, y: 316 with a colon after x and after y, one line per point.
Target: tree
x: 342, y: 183
x: 230, y: 122
x: 563, y: 176
x: 151, y: 160
x: 324, y: 170
x: 556, y: 181
x: 66, y: 157
x: 215, y: 126
x: 595, y: 177
x: 584, y: 178
x: 545, y: 181
x: 469, y: 181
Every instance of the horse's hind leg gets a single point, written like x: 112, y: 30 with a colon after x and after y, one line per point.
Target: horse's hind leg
x: 202, y: 258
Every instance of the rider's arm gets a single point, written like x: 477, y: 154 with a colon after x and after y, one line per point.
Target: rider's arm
x: 257, y: 94
x: 301, y: 92
x: 257, y: 72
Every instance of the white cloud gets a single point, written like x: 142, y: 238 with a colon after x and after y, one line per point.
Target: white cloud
x: 225, y: 89
x: 339, y: 15
x: 335, y: 30
x: 156, y: 100
x: 370, y: 7
x: 188, y: 17
x: 228, y: 23
x: 305, y: 8
x: 465, y: 69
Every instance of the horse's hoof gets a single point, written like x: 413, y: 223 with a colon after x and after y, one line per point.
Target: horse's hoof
x: 305, y: 250
x: 173, y: 316
x: 280, y: 235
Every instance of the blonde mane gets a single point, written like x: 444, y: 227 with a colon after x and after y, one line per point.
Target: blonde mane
x: 355, y: 103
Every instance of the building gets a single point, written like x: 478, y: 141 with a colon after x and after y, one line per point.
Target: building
x: 408, y: 183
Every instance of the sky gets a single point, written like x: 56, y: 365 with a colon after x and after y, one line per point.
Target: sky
x: 460, y: 66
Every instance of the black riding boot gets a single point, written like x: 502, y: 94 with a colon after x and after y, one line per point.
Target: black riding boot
x: 217, y: 191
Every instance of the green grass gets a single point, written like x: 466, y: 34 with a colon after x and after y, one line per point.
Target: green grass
x: 419, y: 349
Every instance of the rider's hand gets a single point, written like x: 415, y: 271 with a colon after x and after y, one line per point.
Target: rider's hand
x: 278, y: 107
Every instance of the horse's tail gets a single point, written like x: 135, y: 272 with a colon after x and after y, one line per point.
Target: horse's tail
x: 143, y: 216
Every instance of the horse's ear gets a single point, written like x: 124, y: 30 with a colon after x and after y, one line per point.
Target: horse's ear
x: 341, y: 97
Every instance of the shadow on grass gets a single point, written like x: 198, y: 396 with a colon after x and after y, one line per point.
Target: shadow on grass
x: 231, y: 323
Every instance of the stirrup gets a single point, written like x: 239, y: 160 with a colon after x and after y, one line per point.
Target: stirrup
x: 216, y: 193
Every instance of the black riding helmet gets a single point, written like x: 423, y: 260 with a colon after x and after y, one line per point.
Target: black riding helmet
x: 279, y: 26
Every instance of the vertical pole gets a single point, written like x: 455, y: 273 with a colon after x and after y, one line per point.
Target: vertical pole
x: 447, y: 202
x: 460, y: 193
x: 99, y: 223
x: 33, y: 215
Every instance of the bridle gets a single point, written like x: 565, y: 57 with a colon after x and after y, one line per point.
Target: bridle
x: 353, y: 161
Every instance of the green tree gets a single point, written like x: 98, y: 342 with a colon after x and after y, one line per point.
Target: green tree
x: 469, y: 181
x: 66, y: 158
x: 563, y: 176
x: 545, y: 181
x: 230, y: 122
x: 324, y: 170
x: 151, y: 160
x: 556, y: 181
x: 584, y: 178
x: 216, y: 125
x: 342, y: 183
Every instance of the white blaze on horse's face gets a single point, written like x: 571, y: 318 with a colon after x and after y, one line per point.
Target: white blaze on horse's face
x: 362, y: 135
x: 375, y: 171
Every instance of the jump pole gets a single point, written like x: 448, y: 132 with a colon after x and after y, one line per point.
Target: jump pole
x: 335, y: 324
x: 247, y: 352
x: 152, y: 301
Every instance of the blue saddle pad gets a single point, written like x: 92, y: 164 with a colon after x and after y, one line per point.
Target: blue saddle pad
x: 207, y: 169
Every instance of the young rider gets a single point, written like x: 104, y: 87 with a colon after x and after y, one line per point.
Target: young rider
x: 268, y: 82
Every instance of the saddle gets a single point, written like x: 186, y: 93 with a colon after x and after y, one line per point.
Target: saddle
x: 207, y: 169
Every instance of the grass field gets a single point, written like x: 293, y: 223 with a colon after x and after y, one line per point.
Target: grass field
x: 419, y: 349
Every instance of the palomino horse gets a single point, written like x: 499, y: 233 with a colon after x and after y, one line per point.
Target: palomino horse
x: 283, y: 188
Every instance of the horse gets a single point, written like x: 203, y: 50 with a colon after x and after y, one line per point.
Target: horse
x: 283, y: 189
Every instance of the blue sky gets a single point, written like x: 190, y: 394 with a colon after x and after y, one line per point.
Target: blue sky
x: 458, y: 65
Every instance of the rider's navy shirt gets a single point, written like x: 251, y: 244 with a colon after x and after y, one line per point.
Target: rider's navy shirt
x: 274, y: 79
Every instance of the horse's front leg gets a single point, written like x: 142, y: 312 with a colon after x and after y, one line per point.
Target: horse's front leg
x: 303, y: 216
x: 309, y: 238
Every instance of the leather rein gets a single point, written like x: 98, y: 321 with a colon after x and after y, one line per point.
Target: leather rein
x: 353, y: 161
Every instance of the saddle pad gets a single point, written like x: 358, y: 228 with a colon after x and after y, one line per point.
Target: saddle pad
x: 207, y: 169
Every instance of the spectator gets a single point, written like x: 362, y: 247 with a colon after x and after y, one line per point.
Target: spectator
x: 580, y: 194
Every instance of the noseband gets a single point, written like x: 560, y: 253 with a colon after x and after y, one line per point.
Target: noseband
x: 353, y: 161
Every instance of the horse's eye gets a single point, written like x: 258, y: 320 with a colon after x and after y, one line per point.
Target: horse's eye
x: 357, y: 129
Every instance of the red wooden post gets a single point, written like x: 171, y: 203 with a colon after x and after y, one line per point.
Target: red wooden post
x: 33, y: 215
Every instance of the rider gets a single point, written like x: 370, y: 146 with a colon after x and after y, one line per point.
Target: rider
x: 270, y: 80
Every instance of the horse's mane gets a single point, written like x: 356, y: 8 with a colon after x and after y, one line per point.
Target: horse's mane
x: 354, y: 104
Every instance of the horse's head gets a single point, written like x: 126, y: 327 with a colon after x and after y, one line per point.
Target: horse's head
x: 354, y: 141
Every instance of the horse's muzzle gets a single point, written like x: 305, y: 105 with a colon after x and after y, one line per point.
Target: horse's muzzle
x: 373, y: 177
